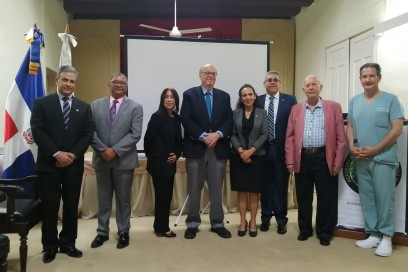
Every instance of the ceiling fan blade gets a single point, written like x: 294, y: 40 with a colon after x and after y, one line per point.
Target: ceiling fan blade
x: 196, y: 30
x: 155, y: 28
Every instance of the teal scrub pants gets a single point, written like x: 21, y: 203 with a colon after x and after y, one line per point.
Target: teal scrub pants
x: 376, y: 183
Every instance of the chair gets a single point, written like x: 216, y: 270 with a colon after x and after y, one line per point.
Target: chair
x: 18, y: 215
x: 4, y: 250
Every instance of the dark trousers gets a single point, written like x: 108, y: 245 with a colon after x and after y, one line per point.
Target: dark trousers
x: 163, y: 190
x: 53, y: 187
x: 274, y: 193
x: 315, y: 172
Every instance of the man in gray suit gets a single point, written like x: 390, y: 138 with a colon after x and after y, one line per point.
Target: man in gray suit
x: 118, y: 127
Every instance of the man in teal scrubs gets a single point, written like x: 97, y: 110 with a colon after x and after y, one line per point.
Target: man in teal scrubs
x: 375, y: 121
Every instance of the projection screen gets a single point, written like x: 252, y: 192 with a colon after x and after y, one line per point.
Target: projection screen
x: 155, y: 63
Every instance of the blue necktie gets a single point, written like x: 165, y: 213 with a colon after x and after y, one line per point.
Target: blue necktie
x: 208, y: 103
x: 65, y: 111
x: 271, y: 119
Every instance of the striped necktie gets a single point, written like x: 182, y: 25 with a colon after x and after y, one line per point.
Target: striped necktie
x: 112, y: 111
x: 65, y: 111
x: 208, y: 103
x: 271, y: 119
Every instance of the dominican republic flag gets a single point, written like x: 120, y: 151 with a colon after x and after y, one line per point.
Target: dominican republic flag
x: 20, y: 151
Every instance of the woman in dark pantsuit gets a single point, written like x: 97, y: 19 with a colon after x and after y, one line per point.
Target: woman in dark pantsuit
x: 163, y: 146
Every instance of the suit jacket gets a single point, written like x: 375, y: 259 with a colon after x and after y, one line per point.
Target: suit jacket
x: 50, y: 135
x: 195, y: 121
x: 258, y: 135
x: 286, y: 102
x: 159, y: 132
x: 334, y: 132
x: 122, y: 136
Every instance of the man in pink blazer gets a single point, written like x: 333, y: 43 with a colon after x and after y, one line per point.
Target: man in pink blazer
x: 314, y: 149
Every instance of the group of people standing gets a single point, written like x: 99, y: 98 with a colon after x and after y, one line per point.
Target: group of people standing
x: 266, y: 138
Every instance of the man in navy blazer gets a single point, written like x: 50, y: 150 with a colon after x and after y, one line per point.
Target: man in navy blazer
x: 274, y: 192
x: 60, y: 162
x: 207, y: 119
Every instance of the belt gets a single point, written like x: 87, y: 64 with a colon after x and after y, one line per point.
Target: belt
x: 313, y: 150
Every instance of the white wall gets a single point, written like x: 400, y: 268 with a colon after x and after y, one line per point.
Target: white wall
x: 18, y: 16
x: 326, y: 23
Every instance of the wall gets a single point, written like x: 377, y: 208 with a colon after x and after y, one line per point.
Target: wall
x: 50, y: 18
x: 98, y: 52
x: 96, y: 57
x: 282, y: 49
x: 324, y: 24
x: 392, y: 53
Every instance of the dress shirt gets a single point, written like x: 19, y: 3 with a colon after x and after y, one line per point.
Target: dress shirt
x: 275, y: 104
x: 313, y: 132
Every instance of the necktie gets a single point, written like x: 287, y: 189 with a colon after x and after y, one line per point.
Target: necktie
x: 271, y: 119
x: 208, y: 103
x: 65, y: 111
x: 112, y: 111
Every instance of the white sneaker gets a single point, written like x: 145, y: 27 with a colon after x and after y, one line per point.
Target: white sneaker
x: 370, y: 242
x: 384, y: 249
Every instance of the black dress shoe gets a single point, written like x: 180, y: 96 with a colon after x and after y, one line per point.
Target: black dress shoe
x: 265, y: 225
x: 49, y: 255
x: 222, y: 232
x: 168, y: 234
x: 282, y: 229
x: 71, y: 251
x: 99, y: 240
x: 123, y: 240
x: 303, y: 237
x: 325, y: 242
x: 190, y: 233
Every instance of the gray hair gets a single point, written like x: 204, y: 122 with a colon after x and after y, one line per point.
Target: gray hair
x: 67, y: 69
x: 118, y: 74
x: 272, y: 72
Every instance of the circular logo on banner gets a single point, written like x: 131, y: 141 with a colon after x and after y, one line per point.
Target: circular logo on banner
x: 350, y: 175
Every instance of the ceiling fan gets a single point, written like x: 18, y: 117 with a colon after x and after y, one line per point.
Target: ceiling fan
x: 175, y: 32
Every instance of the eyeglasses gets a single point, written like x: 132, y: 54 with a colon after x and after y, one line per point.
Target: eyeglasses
x: 121, y: 83
x: 272, y: 80
x: 214, y: 74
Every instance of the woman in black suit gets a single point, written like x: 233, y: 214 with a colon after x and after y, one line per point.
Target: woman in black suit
x: 247, y: 163
x: 163, y: 146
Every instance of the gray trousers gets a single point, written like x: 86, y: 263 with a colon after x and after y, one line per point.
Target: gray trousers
x: 211, y: 170
x: 116, y: 181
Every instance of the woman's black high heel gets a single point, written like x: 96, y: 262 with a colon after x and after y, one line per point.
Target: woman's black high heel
x: 243, y: 232
x: 252, y: 233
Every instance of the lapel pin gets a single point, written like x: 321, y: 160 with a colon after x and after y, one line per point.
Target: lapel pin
x: 77, y: 109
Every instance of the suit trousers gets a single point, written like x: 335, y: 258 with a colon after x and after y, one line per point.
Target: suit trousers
x: 53, y: 187
x: 163, y: 193
x: 211, y: 170
x: 116, y: 181
x: 274, y: 193
x: 314, y: 172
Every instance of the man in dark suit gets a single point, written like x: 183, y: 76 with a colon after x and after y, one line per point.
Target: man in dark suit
x: 274, y: 192
x: 207, y: 119
x: 62, y: 127
x: 118, y: 127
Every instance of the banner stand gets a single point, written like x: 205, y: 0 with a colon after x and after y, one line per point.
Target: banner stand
x: 350, y: 217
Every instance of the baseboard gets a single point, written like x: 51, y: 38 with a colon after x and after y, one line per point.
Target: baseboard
x: 358, y: 235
